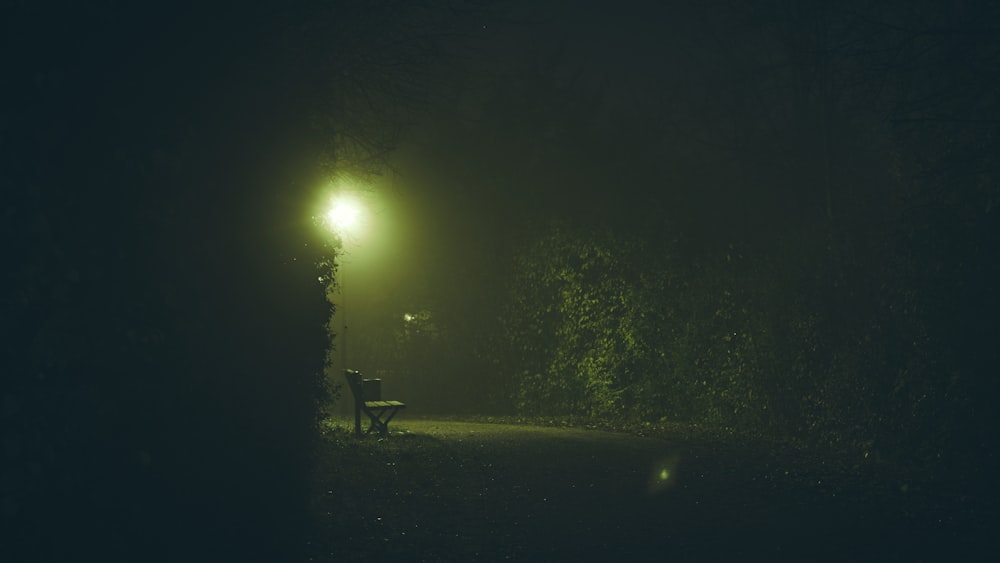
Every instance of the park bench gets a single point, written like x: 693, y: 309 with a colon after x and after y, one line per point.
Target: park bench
x: 368, y: 399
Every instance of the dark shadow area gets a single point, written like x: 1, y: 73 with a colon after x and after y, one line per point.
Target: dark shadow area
x: 163, y: 330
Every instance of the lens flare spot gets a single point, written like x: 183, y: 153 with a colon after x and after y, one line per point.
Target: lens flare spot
x: 663, y: 474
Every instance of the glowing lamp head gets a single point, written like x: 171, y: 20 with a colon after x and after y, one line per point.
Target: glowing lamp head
x: 344, y: 216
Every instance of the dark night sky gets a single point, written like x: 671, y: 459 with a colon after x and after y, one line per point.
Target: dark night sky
x: 660, y: 119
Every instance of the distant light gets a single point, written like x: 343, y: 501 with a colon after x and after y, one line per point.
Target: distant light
x: 664, y: 474
x: 408, y: 317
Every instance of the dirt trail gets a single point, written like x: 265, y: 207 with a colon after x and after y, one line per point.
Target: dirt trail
x: 457, y: 491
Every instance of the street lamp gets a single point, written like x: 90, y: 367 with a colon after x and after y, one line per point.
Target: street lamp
x: 343, y: 217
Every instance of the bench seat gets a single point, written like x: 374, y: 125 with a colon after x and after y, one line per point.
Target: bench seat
x: 383, y: 404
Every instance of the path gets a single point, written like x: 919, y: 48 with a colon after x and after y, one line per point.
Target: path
x: 454, y: 491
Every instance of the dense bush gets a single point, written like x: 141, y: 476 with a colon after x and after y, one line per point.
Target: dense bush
x: 798, y: 342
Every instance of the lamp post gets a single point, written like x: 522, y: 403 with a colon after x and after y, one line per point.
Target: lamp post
x: 343, y: 218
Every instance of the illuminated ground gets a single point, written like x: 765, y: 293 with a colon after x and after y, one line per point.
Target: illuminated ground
x: 458, y: 491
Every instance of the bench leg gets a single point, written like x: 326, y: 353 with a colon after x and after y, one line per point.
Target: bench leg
x: 357, y: 418
x: 377, y: 423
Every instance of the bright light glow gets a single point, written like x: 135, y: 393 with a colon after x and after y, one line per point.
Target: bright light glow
x: 344, y: 216
x: 664, y: 474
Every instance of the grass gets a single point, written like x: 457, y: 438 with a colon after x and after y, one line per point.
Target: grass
x: 459, y: 490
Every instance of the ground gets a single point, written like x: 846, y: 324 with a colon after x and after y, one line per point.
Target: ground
x: 440, y: 490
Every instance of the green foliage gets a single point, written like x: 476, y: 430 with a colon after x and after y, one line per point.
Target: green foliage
x: 566, y: 307
x: 802, y: 342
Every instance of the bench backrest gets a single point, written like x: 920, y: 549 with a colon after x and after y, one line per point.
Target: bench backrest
x: 363, y: 389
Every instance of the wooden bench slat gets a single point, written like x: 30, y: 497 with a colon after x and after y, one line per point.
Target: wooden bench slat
x: 383, y: 404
